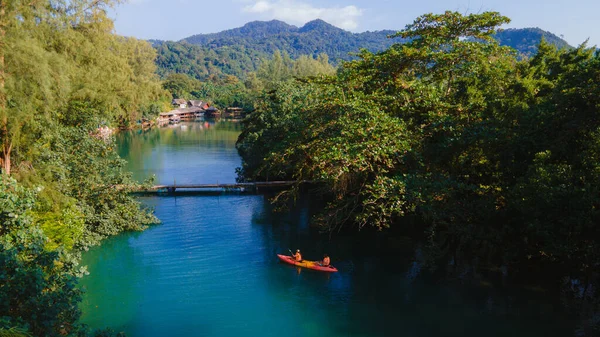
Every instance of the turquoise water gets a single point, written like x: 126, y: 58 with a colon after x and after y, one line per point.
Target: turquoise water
x: 210, y: 268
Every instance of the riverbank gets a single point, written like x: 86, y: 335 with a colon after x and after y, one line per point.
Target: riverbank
x: 211, y: 267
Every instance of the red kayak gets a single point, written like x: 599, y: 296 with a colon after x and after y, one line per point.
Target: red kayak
x: 306, y: 264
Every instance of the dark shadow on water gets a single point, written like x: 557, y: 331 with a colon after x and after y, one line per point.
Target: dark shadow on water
x: 211, y: 267
x: 375, y: 295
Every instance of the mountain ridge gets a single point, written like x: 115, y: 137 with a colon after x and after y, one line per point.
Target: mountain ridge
x: 526, y: 40
x: 318, y: 36
x: 314, y: 37
x: 241, y: 50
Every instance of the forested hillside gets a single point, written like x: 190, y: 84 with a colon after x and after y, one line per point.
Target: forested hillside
x: 313, y: 38
x: 206, y: 63
x: 225, y: 90
x: 526, y: 40
x: 241, y: 50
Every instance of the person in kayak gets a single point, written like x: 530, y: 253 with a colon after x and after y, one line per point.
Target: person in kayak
x: 326, y: 261
x: 298, y: 256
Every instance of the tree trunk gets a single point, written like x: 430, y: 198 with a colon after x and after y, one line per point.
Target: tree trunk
x: 6, y: 151
x: 2, y: 49
x: 7, y: 146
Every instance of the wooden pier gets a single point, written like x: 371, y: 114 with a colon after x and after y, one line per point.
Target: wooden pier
x: 255, y: 186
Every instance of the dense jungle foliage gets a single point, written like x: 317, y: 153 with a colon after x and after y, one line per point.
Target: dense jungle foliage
x: 230, y: 91
x: 314, y: 38
x: 527, y: 40
x: 232, y: 67
x: 203, y: 63
x: 497, y: 157
x: 63, y: 75
x: 490, y: 160
x: 241, y: 51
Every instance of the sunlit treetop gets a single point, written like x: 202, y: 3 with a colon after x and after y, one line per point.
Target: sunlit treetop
x: 452, y: 26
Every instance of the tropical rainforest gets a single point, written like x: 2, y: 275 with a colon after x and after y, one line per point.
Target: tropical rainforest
x: 491, y: 160
x: 229, y: 90
x: 230, y: 68
x: 489, y: 156
x: 241, y: 51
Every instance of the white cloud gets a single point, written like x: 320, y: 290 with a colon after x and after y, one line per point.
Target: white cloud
x: 297, y: 12
x: 259, y: 7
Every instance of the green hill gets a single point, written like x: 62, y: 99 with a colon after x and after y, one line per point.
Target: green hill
x: 241, y: 50
x: 526, y: 40
x: 313, y: 38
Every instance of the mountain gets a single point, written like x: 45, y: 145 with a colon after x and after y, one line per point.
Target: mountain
x: 252, y: 30
x: 241, y: 50
x: 313, y: 38
x: 526, y: 40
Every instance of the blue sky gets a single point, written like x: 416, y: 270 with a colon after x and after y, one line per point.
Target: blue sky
x: 575, y: 20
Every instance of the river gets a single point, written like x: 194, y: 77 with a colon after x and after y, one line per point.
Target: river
x: 210, y: 268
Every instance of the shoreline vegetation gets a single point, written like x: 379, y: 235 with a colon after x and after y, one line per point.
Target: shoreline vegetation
x: 65, y: 81
x: 491, y: 160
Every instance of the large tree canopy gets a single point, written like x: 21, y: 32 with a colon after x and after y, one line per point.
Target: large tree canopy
x: 496, y: 157
x: 55, y: 52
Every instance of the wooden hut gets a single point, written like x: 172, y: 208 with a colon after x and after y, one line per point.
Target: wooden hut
x: 233, y: 112
x: 179, y: 102
x: 212, y: 112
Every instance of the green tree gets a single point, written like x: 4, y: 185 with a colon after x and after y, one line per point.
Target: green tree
x: 38, y: 292
x: 496, y: 157
x: 281, y: 68
x: 181, y: 85
x: 54, y: 53
x: 306, y: 66
x: 90, y: 179
x: 274, y: 70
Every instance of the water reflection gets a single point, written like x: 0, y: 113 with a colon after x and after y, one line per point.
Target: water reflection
x: 191, y: 152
